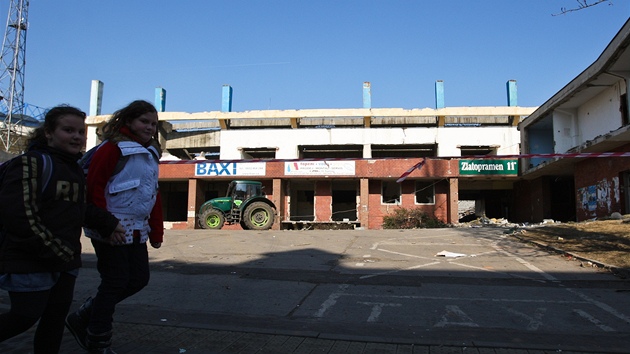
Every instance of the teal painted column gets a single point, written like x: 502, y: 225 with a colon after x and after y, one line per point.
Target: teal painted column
x: 96, y: 98
x: 511, y: 93
x: 367, y: 95
x: 160, y: 99
x: 439, y: 94
x: 226, y: 101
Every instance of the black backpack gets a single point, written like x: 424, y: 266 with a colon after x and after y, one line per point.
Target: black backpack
x: 86, y: 160
x: 47, y: 169
x: 46, y: 173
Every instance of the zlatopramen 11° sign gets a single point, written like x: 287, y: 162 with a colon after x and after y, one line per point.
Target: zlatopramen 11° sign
x: 488, y: 167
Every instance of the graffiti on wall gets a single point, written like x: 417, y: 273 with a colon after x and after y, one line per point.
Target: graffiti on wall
x: 588, y: 198
x: 600, y: 196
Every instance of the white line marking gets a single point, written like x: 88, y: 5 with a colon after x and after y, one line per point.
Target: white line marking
x: 397, y: 270
x: 601, y: 305
x: 463, y: 299
x: 527, y: 265
x: 403, y: 254
x: 534, y: 322
x: 331, y: 301
x: 377, y: 309
x: 593, y: 320
x: 410, y: 241
x: 498, y: 272
x: 455, y: 312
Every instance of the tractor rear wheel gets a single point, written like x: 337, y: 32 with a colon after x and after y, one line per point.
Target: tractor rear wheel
x: 211, y: 219
x: 258, y: 216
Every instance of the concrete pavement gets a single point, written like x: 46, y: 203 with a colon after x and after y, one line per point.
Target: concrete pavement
x: 181, y: 311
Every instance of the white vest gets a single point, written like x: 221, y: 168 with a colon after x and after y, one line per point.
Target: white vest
x: 130, y: 194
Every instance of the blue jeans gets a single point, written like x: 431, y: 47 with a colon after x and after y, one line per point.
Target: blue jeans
x: 124, y: 271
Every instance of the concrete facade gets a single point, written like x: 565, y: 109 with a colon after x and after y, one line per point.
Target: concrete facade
x: 340, y: 166
x: 590, y: 114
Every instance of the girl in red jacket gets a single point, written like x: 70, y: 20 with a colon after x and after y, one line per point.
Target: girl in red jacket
x: 131, y: 194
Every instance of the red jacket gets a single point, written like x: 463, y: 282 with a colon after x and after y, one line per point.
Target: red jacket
x: 108, y: 156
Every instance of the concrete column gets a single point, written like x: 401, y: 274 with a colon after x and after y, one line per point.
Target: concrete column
x: 364, y: 203
x: 439, y: 94
x: 367, y: 151
x: 453, y: 199
x: 226, y: 100
x: 439, y: 101
x: 278, y: 200
x: 195, y: 199
x: 92, y: 139
x: 367, y: 95
x: 160, y: 99
x: 512, y: 101
x: 367, y: 103
x: 96, y: 98
x: 511, y: 93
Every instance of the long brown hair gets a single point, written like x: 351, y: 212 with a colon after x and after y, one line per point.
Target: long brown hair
x: 123, y: 116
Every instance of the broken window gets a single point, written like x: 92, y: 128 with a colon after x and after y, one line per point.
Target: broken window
x: 390, y: 192
x: 425, y: 192
x: 478, y: 150
x: 264, y: 153
x: 330, y: 151
x: 406, y: 150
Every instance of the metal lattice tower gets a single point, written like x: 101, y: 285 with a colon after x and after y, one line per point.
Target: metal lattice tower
x: 12, y: 63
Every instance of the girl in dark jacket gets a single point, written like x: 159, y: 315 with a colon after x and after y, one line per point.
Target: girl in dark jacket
x: 42, y: 210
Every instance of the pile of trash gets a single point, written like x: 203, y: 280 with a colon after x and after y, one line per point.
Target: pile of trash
x: 484, y: 221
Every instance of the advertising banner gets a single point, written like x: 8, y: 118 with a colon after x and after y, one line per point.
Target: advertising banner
x: 230, y: 169
x: 319, y: 168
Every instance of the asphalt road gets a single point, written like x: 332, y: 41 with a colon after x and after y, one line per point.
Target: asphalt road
x: 456, y: 286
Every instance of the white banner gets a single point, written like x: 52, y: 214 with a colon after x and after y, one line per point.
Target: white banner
x: 320, y: 168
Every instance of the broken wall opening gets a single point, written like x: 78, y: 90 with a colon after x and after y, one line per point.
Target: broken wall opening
x: 301, y: 200
x: 492, y: 198
x: 344, y: 200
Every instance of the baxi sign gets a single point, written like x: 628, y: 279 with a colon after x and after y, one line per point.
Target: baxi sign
x: 488, y: 167
x: 230, y: 169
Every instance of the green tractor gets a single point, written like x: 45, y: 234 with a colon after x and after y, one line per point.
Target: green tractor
x: 245, y: 203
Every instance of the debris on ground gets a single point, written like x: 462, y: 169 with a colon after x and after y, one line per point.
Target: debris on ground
x: 604, y: 242
x: 448, y: 254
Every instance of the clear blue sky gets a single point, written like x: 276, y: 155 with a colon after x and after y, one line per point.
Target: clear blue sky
x: 299, y: 54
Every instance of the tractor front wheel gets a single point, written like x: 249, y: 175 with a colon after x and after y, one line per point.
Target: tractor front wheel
x: 211, y: 219
x: 258, y: 216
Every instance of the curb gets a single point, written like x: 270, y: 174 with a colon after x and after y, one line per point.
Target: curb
x: 623, y: 273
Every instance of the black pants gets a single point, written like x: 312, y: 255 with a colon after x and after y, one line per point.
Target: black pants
x: 50, y: 307
x: 124, y: 271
